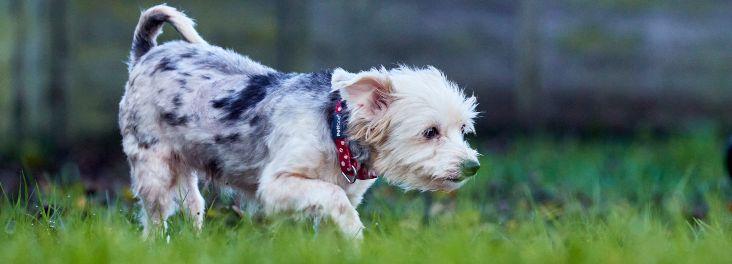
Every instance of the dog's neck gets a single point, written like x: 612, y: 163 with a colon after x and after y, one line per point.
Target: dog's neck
x: 339, y: 119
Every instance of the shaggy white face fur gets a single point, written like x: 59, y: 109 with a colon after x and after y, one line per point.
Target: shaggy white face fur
x: 194, y: 112
x: 397, y: 109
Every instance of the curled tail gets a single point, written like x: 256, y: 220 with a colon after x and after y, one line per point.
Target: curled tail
x: 151, y: 24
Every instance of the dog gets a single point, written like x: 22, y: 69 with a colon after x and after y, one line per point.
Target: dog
x: 305, y: 143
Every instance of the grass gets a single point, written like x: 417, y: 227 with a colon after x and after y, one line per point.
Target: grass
x: 537, y: 199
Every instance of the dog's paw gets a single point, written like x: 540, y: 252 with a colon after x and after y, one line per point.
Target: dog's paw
x: 353, y: 230
x: 355, y: 233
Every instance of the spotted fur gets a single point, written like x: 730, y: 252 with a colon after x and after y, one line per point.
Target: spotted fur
x: 193, y: 112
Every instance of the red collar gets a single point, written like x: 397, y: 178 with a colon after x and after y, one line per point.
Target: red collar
x: 350, y: 167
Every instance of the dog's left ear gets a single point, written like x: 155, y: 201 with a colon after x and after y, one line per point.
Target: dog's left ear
x: 368, y: 92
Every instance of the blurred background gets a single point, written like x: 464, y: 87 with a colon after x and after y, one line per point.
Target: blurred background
x: 600, y: 70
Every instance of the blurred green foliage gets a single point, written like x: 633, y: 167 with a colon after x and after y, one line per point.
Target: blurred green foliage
x: 539, y: 199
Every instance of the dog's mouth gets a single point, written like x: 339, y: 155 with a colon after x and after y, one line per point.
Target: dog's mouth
x: 453, y: 179
x: 446, y: 183
x: 449, y: 176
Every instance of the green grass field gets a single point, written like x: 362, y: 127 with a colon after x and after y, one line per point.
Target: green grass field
x: 536, y: 199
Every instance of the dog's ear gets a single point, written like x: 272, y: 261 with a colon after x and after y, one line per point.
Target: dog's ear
x: 368, y: 92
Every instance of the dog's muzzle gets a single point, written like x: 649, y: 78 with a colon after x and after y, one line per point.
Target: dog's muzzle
x: 469, y: 168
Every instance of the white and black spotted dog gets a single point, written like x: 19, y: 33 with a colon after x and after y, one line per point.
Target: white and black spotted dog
x: 308, y: 143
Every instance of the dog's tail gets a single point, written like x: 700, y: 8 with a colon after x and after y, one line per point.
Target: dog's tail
x: 151, y: 25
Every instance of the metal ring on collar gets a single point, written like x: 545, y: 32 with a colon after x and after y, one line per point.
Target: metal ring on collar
x: 350, y: 180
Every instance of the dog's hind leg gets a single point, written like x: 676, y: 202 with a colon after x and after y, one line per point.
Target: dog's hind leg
x: 154, y: 178
x: 190, y: 198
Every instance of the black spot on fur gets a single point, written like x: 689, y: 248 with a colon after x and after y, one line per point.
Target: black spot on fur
x: 164, y: 65
x: 254, y: 121
x: 254, y: 139
x: 246, y: 98
x: 183, y: 84
x: 173, y: 120
x: 206, y: 77
x: 145, y: 142
x: 260, y: 82
x: 142, y: 42
x: 153, y: 55
x: 232, y: 138
x: 213, y: 168
x: 259, y: 129
x: 131, y: 121
x: 318, y: 81
x: 132, y: 82
x: 220, y: 102
x: 186, y: 74
x: 177, y: 101
x: 188, y: 54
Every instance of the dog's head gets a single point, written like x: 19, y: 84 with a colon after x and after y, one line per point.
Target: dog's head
x: 415, y: 121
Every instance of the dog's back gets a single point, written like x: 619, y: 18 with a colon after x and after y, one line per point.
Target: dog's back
x: 209, y: 102
x: 191, y: 109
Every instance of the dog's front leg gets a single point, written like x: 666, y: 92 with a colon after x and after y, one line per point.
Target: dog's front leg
x: 294, y: 192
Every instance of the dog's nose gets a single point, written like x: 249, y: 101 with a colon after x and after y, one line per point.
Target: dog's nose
x: 469, y: 168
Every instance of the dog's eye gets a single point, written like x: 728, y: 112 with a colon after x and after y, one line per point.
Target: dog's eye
x: 430, y: 133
